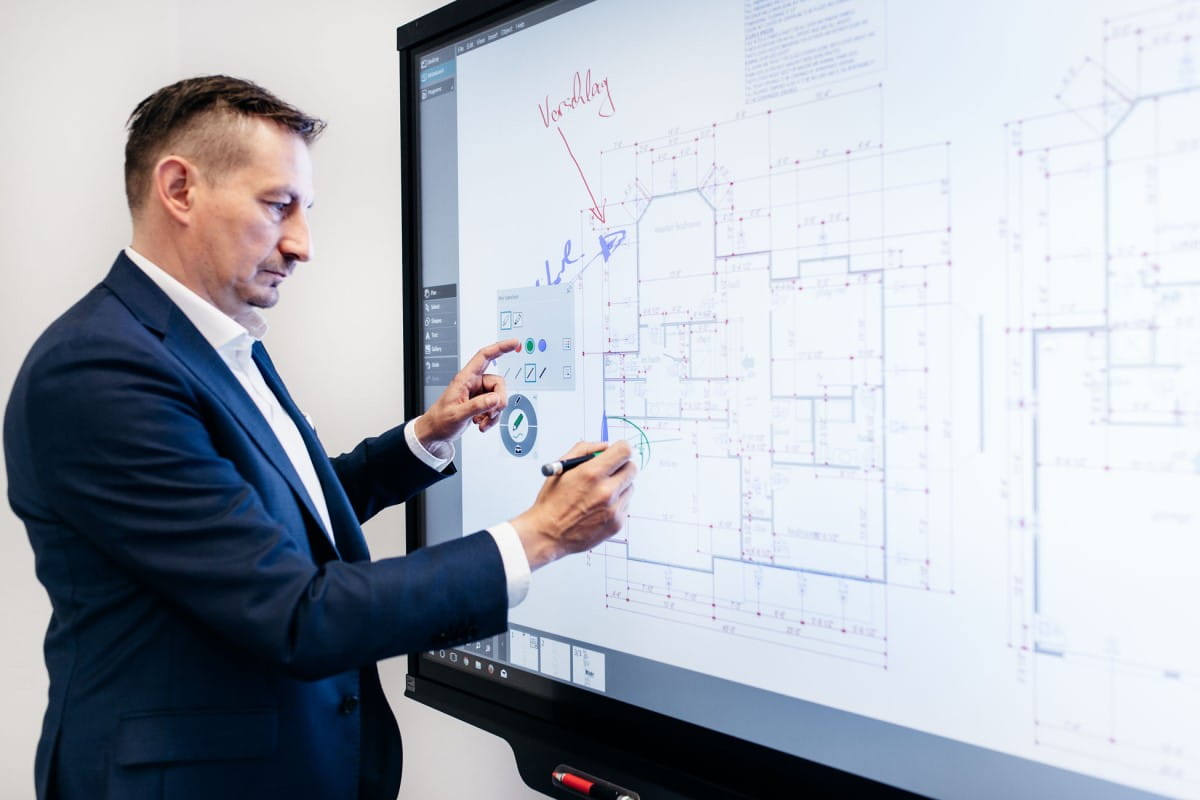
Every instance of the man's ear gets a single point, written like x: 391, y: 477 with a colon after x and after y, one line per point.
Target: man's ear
x: 174, y: 183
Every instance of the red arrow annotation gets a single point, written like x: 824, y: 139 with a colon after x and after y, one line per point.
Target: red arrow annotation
x: 583, y: 91
x: 597, y: 209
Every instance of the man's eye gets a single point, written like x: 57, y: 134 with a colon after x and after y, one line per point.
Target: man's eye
x: 279, y: 207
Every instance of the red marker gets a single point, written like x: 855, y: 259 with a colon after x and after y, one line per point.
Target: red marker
x: 588, y: 786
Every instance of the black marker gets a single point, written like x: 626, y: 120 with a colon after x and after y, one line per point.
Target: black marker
x: 559, y: 467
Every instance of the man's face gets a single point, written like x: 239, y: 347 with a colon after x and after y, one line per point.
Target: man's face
x: 251, y: 222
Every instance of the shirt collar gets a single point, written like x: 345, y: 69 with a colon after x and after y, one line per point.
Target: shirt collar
x: 217, y: 328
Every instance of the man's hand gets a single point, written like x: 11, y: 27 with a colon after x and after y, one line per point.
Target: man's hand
x: 472, y: 396
x: 577, y: 510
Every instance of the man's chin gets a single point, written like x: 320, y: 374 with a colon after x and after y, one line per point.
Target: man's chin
x: 266, y: 299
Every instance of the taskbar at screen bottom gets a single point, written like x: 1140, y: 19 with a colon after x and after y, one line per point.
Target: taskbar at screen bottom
x: 541, y: 665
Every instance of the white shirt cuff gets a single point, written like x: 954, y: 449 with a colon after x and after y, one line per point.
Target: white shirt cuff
x: 438, y: 457
x: 516, y: 565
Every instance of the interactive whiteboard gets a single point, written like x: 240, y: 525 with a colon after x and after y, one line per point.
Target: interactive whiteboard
x: 898, y: 305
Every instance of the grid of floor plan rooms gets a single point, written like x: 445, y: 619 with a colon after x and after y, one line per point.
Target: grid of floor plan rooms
x: 1103, y: 375
x: 774, y: 337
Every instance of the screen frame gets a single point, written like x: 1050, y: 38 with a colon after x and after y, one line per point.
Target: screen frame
x: 599, y: 735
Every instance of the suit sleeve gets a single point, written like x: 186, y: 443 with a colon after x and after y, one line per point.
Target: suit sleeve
x: 383, y: 471
x: 120, y: 452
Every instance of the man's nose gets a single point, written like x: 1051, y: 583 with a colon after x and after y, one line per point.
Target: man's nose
x: 296, y: 243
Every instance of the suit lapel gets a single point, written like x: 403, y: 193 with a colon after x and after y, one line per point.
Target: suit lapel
x: 155, y: 310
x: 346, y: 530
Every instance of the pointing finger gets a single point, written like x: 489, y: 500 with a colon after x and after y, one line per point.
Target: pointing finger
x: 486, y: 355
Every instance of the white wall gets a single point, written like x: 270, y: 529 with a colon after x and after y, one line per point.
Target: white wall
x: 70, y: 72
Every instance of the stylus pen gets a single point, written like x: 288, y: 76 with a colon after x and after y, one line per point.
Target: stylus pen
x: 559, y: 467
x: 590, y: 788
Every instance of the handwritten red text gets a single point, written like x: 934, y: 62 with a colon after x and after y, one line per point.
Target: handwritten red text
x: 584, y: 89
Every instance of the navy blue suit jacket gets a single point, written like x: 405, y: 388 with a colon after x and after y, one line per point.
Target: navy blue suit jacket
x: 206, y: 639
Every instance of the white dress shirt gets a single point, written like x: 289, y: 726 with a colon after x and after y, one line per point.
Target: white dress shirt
x: 233, y: 340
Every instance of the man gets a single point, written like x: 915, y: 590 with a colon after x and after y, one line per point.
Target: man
x: 216, y: 617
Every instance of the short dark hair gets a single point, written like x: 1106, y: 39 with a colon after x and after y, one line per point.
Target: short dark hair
x: 199, y: 114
